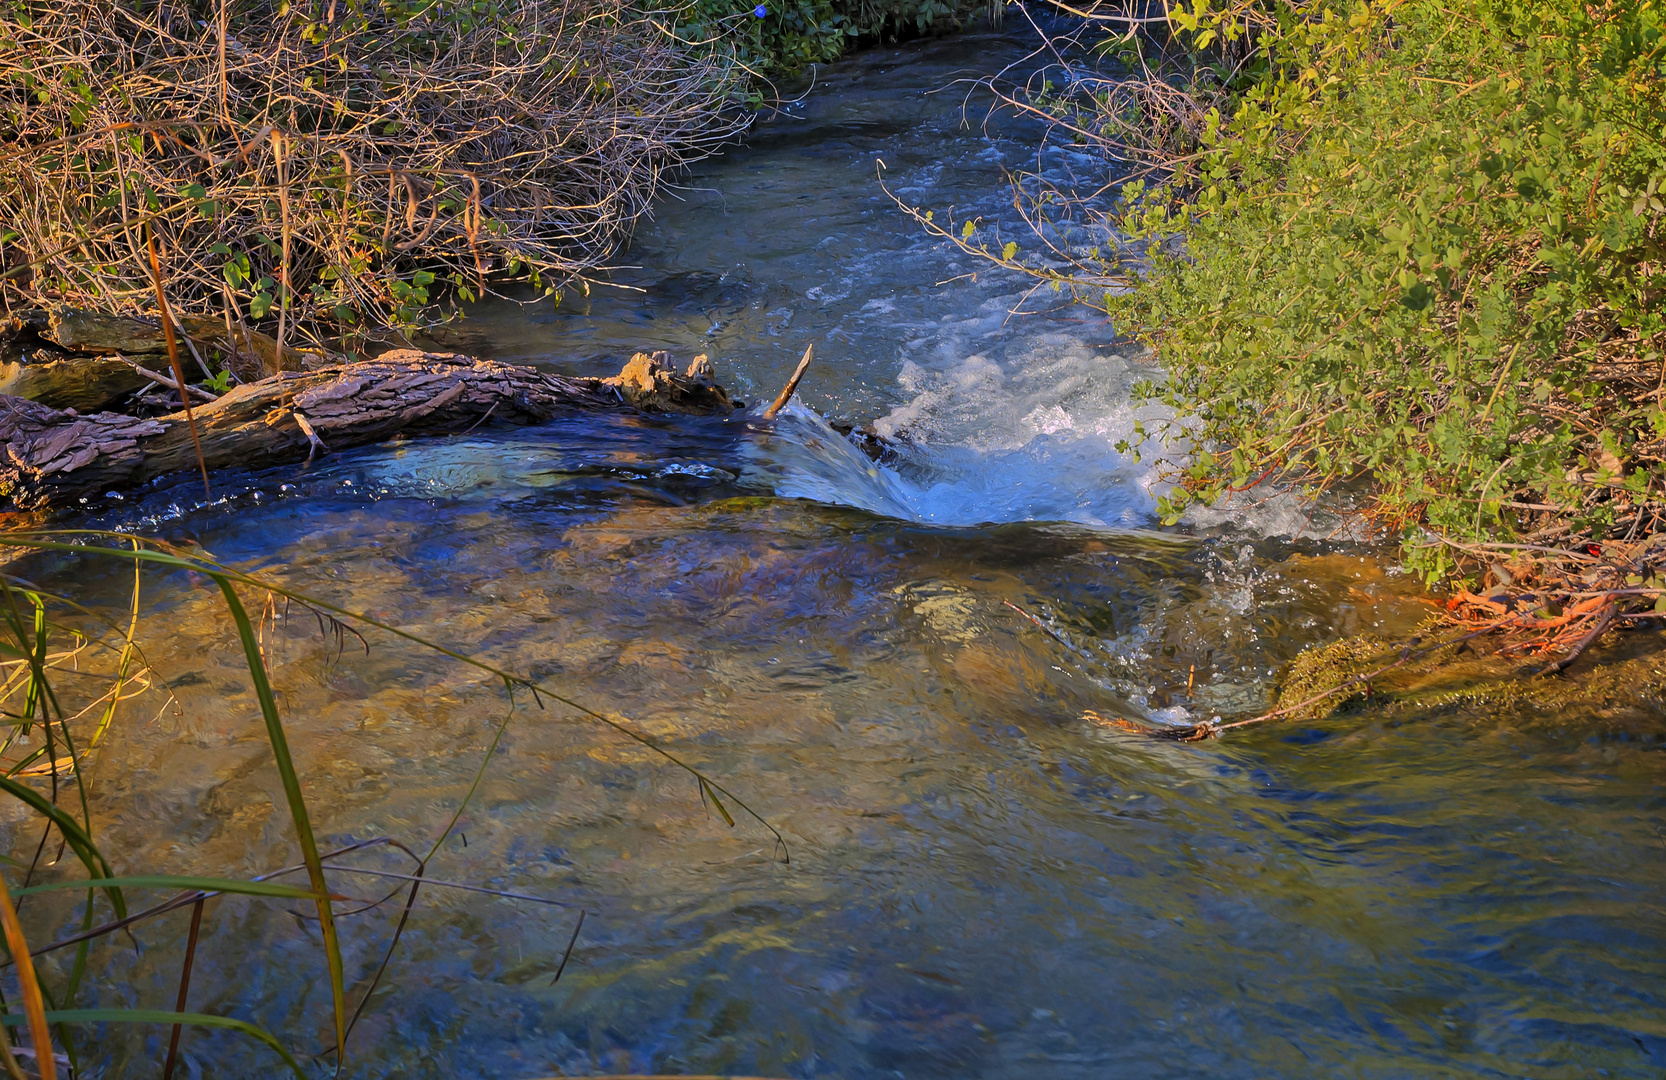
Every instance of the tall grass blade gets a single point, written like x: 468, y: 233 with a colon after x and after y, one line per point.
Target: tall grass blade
x: 707, y: 792
x: 191, y: 897
x: 173, y: 355
x: 278, y: 152
x: 34, y: 697
x: 176, y: 881
x: 159, y: 1016
x: 34, y: 1005
x: 79, y: 841
x: 41, y: 698
x: 128, y: 649
x: 297, y: 805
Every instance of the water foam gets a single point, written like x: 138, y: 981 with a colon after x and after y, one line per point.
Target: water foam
x: 1028, y: 437
x: 977, y: 440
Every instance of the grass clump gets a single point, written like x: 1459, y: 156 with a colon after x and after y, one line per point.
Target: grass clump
x: 337, y: 169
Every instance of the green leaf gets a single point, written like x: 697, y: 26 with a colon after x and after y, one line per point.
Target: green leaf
x: 707, y: 792
x: 297, y: 803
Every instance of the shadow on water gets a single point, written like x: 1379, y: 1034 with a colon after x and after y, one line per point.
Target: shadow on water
x: 983, y: 884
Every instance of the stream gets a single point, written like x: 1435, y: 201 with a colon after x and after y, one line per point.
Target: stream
x: 982, y: 883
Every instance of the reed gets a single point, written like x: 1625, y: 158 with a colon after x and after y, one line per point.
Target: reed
x: 43, y: 638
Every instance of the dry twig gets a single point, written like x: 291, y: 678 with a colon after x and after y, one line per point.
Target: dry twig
x: 342, y: 157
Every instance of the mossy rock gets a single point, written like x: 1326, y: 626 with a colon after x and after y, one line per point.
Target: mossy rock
x: 1320, y: 668
x: 1627, y: 669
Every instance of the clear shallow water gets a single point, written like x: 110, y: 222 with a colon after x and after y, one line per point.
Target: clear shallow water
x: 1007, y: 406
x: 982, y: 883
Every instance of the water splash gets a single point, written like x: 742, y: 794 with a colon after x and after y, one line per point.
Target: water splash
x: 1031, y: 439
x: 800, y: 456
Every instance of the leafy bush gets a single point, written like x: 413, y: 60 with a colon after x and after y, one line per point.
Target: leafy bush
x: 1408, y: 241
x: 1425, y: 245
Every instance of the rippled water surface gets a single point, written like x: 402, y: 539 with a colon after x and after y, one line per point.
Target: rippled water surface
x: 981, y: 882
x: 1010, y: 400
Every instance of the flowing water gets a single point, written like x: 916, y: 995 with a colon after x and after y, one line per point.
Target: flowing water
x: 982, y: 883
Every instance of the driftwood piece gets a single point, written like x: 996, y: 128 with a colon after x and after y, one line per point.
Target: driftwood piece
x: 786, y: 394
x: 253, y: 354
x: 168, y: 381
x: 84, y: 383
x: 50, y: 456
x: 652, y: 382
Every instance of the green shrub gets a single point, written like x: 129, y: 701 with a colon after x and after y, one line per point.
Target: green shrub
x: 1407, y: 241
x: 1425, y: 245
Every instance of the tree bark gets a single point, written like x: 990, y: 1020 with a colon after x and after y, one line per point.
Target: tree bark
x: 249, y: 353
x: 49, y: 457
x: 84, y: 383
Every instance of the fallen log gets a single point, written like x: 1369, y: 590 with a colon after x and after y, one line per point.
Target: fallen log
x: 84, y: 383
x: 249, y: 353
x: 49, y: 457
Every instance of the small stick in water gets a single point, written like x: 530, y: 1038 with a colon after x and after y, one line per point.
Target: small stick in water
x: 1045, y: 629
x: 792, y: 383
x: 568, y: 955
